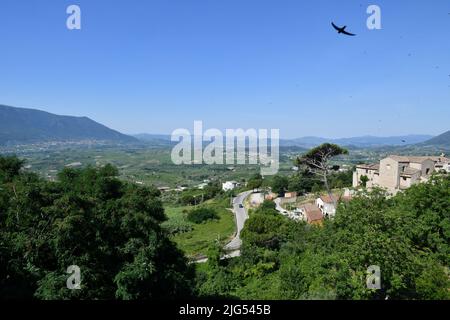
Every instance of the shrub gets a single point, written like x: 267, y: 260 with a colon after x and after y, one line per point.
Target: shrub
x: 201, y: 215
x: 177, y: 225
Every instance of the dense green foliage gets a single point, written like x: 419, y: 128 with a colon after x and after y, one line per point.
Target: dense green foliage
x: 88, y: 218
x: 255, y: 182
x: 407, y: 236
x: 279, y: 184
x: 305, y: 181
x: 196, y: 196
x: 202, y: 214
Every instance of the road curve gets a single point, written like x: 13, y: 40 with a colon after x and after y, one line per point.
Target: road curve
x: 233, y: 247
x: 241, y: 216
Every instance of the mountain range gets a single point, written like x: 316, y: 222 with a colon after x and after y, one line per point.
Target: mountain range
x: 309, y: 142
x: 361, y: 142
x: 26, y: 126
x: 440, y: 140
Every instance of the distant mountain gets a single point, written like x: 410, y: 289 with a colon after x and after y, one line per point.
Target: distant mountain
x: 310, y: 141
x: 440, y: 140
x: 154, y: 139
x: 361, y: 142
x: 23, y: 126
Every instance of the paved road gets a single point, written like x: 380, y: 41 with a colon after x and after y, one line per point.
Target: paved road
x: 241, y: 216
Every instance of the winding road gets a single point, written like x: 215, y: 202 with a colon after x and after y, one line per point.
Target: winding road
x: 233, y: 247
x: 241, y: 216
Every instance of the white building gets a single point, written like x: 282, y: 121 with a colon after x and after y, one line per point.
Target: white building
x: 441, y: 163
x: 230, y: 185
x: 326, y: 205
x: 202, y: 186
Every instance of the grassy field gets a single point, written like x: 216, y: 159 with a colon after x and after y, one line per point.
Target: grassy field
x: 197, y: 241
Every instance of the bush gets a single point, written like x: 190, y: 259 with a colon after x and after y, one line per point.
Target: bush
x: 177, y: 225
x: 201, y: 215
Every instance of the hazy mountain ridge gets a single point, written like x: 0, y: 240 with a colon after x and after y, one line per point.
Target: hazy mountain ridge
x: 22, y: 126
x: 363, y: 141
x: 440, y: 140
x: 311, y: 141
x: 28, y: 126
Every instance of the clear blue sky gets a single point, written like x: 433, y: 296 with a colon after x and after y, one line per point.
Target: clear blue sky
x: 157, y: 65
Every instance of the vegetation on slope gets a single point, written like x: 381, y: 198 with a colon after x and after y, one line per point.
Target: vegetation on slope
x: 88, y: 218
x: 407, y: 236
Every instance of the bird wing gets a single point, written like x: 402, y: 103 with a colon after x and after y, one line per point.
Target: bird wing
x: 335, y: 26
x: 348, y: 33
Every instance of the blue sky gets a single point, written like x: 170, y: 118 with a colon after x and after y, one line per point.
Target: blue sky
x: 157, y: 65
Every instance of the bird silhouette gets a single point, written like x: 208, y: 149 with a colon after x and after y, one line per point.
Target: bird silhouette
x: 342, y: 30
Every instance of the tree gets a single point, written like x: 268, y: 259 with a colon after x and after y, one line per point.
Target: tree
x: 279, y: 184
x: 364, y: 179
x: 302, y: 181
x: 110, y: 229
x: 202, y: 214
x: 255, y: 182
x: 318, y: 161
x: 9, y: 168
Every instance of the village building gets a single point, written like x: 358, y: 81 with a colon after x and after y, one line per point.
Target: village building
x: 312, y: 214
x: 230, y: 185
x: 396, y: 173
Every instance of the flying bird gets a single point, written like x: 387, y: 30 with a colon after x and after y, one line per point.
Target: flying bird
x: 342, y: 30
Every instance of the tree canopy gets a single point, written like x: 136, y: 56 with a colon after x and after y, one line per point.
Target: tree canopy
x: 89, y: 218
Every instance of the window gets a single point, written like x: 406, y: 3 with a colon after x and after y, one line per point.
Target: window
x: 428, y: 171
x: 404, y: 178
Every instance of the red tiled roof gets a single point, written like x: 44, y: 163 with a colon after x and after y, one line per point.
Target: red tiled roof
x: 327, y: 198
x: 312, y: 212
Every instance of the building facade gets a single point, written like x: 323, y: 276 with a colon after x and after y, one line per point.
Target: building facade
x: 396, y: 173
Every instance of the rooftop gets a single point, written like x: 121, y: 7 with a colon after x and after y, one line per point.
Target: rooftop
x: 372, y: 166
x: 312, y: 212
x: 409, y: 158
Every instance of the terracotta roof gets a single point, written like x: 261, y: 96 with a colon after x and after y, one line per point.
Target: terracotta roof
x: 312, y: 212
x: 314, y: 216
x: 328, y: 199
